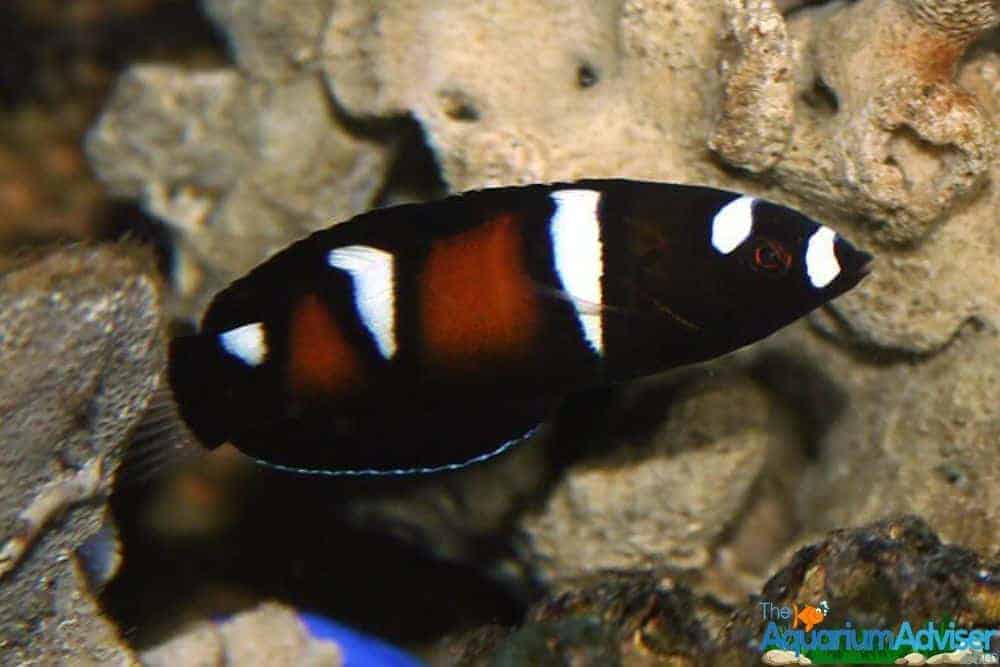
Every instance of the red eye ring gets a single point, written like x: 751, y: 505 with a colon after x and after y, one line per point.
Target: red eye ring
x: 771, y: 256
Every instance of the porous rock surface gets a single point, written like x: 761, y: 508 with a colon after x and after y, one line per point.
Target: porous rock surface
x: 239, y: 161
x: 570, y: 114
x: 269, y: 635
x: 918, y: 438
x: 668, y: 503
x: 81, y: 348
x: 877, y: 117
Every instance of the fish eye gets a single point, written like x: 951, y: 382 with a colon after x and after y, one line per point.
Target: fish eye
x: 771, y: 257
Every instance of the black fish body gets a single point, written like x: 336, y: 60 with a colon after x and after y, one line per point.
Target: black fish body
x: 429, y: 336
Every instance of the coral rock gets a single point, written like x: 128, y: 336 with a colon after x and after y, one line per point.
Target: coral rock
x: 756, y: 122
x: 237, y: 167
x: 82, y: 350
x: 667, y: 508
x: 270, y: 635
x: 920, y: 439
x: 271, y: 39
x: 603, y: 95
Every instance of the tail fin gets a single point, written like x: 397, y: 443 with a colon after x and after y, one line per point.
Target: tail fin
x: 194, y: 371
x: 198, y: 404
x: 159, y: 442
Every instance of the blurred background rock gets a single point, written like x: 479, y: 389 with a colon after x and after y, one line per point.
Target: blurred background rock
x: 59, y: 62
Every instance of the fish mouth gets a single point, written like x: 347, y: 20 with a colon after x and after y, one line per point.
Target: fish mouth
x: 865, y: 260
x: 854, y: 263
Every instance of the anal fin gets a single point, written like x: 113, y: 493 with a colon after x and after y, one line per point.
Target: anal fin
x: 411, y: 435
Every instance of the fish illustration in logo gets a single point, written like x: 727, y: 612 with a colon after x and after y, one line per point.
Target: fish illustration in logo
x: 808, y: 615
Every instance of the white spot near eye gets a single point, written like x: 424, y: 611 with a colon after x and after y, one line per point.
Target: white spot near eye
x: 576, y: 246
x: 247, y: 343
x: 732, y: 225
x: 821, y: 259
x: 371, y: 270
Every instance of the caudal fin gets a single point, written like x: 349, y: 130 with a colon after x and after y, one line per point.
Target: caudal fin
x: 194, y: 371
x: 159, y: 442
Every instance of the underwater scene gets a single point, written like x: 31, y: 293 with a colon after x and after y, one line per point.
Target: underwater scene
x: 401, y: 333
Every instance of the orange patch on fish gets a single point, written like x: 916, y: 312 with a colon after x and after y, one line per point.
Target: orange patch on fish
x: 477, y: 300
x: 322, y: 360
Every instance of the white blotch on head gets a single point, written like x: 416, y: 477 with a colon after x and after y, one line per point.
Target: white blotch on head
x: 821, y: 259
x: 732, y: 225
x: 371, y: 270
x: 576, y: 245
x: 247, y: 343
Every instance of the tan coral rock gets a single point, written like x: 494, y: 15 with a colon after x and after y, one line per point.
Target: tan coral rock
x: 237, y: 168
x: 601, y: 97
x: 272, y: 634
x: 82, y: 349
x: 779, y: 657
x: 917, y: 438
x: 657, y: 511
x: 238, y: 162
x: 755, y: 125
x: 916, y: 300
x: 271, y: 39
x: 963, y: 657
x: 667, y: 507
x: 919, y: 296
x: 198, y: 645
x: 269, y: 635
x: 965, y: 19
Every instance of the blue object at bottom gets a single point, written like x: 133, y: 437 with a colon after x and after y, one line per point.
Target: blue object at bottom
x: 359, y: 650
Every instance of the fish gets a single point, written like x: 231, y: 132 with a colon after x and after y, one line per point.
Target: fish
x: 808, y: 616
x: 428, y: 337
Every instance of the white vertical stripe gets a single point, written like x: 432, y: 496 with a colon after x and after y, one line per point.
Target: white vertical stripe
x: 821, y: 258
x: 371, y: 270
x: 732, y: 225
x: 576, y: 246
x: 246, y: 343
